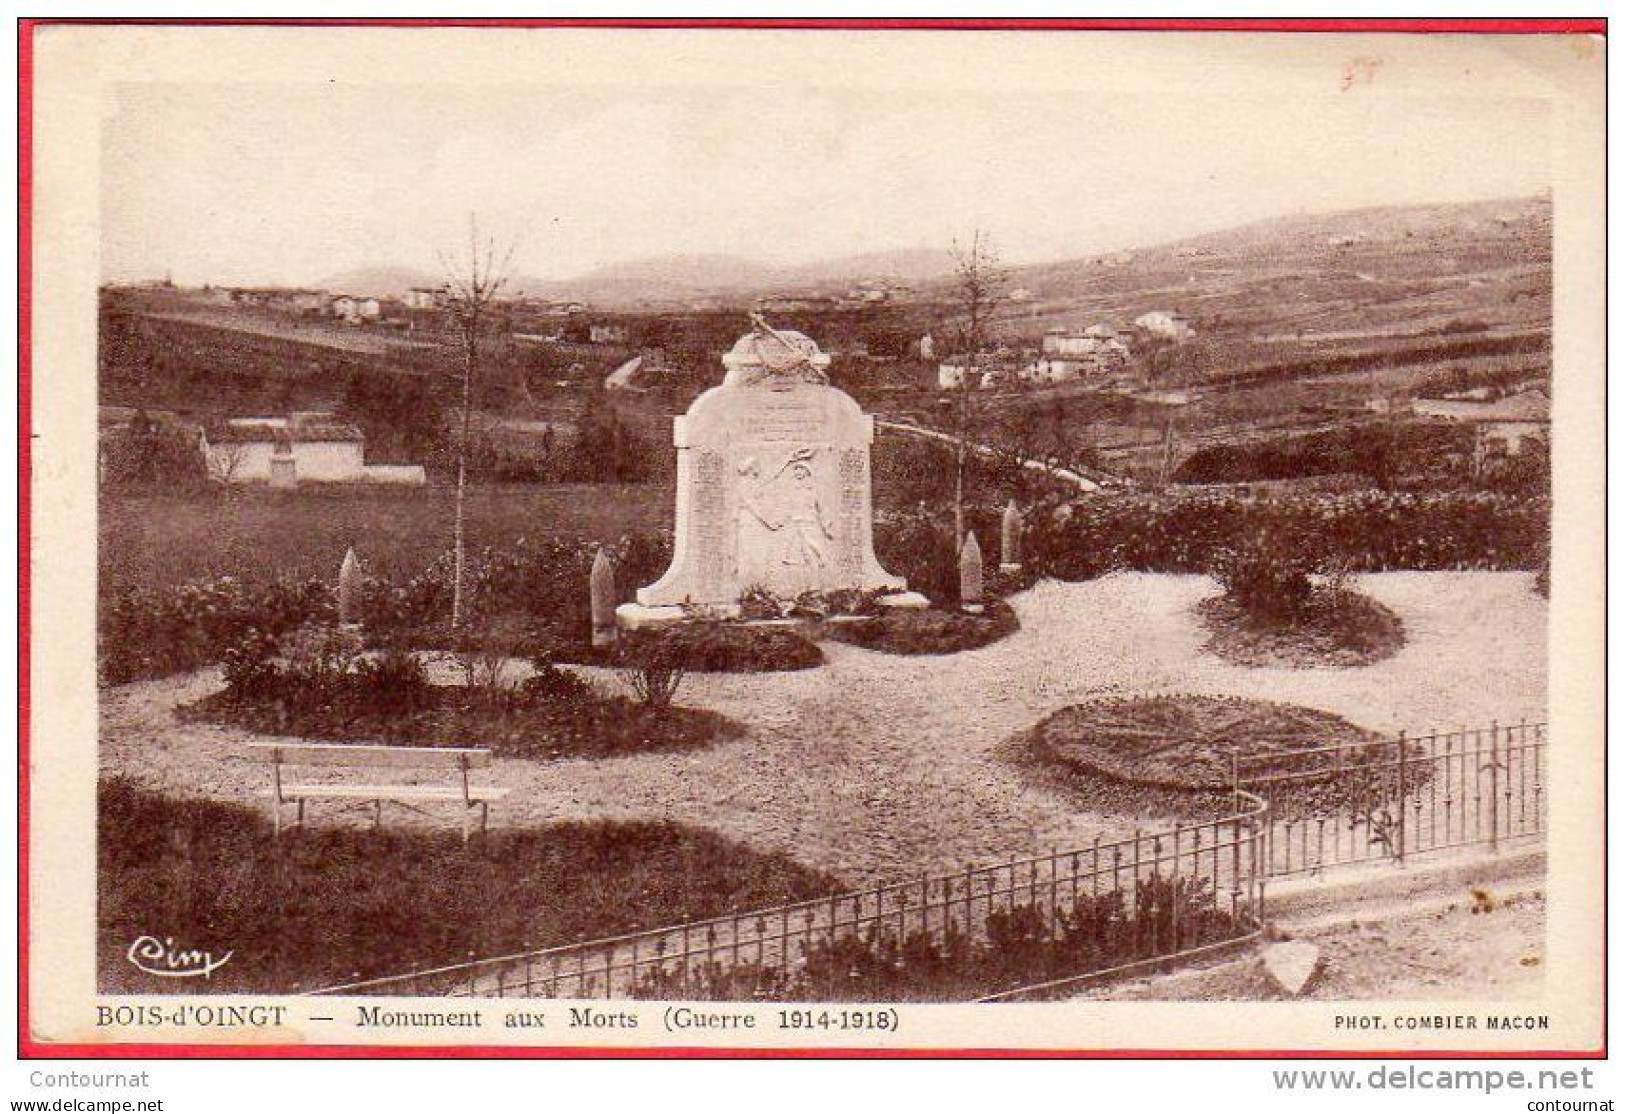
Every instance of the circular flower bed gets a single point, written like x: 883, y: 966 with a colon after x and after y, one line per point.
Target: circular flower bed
x: 1187, y: 742
x: 1336, y: 629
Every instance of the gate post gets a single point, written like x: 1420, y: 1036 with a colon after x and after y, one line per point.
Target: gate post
x: 1399, y: 845
x: 1495, y: 787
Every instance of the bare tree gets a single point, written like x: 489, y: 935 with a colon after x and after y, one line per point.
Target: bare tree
x: 472, y: 286
x: 226, y: 460
x: 978, y: 290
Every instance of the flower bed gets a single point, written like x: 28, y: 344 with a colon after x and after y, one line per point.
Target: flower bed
x: 1334, y: 628
x: 319, y: 685
x: 704, y: 647
x: 927, y: 631
x: 1187, y: 742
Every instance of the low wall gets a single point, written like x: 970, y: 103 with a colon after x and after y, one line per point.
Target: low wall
x: 410, y: 474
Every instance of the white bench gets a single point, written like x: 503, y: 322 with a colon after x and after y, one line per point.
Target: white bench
x: 283, y: 756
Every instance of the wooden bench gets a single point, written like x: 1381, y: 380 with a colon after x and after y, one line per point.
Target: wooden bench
x: 283, y: 756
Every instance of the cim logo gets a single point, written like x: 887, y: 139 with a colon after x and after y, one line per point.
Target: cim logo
x: 164, y: 959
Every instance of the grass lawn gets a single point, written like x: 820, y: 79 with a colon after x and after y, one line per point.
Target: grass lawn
x: 329, y: 905
x: 158, y: 540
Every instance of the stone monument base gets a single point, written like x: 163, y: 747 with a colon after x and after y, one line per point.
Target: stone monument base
x: 636, y: 616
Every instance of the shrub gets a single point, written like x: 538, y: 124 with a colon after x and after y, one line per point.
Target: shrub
x: 485, y: 654
x: 319, y: 657
x: 148, y: 633
x: 1267, y: 580
x: 1020, y: 944
x: 652, y: 671
x: 249, y: 667
x: 393, y: 682
x: 1373, y: 531
x: 548, y: 683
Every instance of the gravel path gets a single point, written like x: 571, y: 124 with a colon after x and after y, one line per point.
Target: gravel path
x: 877, y: 767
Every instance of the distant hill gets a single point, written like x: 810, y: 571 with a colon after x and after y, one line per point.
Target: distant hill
x: 1376, y: 245
x: 379, y: 282
x: 678, y: 276
x: 909, y: 265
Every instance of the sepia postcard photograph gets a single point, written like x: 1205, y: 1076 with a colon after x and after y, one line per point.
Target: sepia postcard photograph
x: 813, y: 538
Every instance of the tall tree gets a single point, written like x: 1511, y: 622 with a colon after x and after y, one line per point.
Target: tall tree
x: 472, y: 286
x: 979, y: 289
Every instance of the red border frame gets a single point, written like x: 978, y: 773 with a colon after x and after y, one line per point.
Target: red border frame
x: 29, y: 1048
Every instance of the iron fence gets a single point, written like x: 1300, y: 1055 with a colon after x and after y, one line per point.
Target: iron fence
x: 1152, y: 896
x: 1050, y: 921
x: 1401, y: 797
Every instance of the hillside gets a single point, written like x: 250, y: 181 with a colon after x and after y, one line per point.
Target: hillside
x: 668, y: 278
x: 1369, y: 275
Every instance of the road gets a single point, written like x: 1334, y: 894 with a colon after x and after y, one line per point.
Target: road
x: 1077, y: 479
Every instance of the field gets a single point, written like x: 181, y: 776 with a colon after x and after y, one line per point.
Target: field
x: 157, y: 540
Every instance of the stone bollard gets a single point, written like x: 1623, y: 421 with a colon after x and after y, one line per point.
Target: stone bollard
x: 349, y: 593
x: 970, y: 575
x: 601, y: 588
x: 1010, y: 539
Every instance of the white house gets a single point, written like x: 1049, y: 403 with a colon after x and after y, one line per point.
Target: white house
x: 422, y: 297
x: 301, y: 448
x: 1166, y: 323
x: 951, y: 373
x: 353, y: 308
x: 1098, y: 343
x: 608, y: 334
x: 989, y: 370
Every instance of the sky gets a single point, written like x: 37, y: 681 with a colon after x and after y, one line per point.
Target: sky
x: 263, y: 183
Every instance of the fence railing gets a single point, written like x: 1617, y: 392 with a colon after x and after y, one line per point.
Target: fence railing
x: 973, y: 933
x: 1053, y: 920
x: 1401, y: 797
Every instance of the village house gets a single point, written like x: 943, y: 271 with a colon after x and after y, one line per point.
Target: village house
x: 304, y: 447
x: 608, y: 334
x: 423, y: 297
x: 985, y: 371
x: 1505, y: 427
x: 295, y: 299
x: 353, y: 308
x: 1070, y: 354
x: 1167, y: 324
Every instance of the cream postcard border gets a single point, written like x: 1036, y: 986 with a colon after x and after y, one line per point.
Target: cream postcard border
x: 77, y: 67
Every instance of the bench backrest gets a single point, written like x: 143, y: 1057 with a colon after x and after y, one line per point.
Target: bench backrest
x: 369, y: 754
